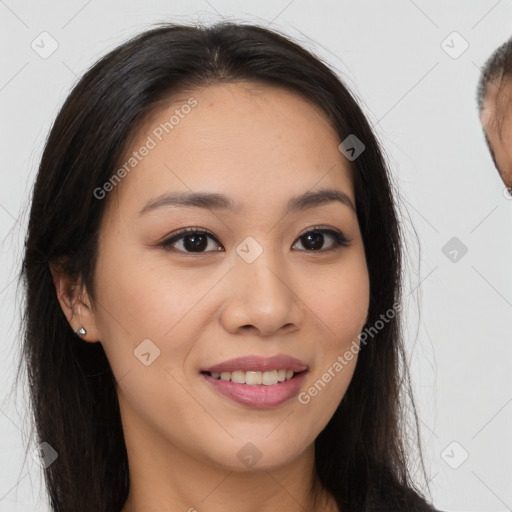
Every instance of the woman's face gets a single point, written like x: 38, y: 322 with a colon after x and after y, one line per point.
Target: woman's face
x: 264, y: 282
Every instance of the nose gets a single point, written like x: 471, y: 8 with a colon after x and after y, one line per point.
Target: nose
x: 261, y: 296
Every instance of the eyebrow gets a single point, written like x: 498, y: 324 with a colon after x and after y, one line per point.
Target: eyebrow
x: 217, y: 201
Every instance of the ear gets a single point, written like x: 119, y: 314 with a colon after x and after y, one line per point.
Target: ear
x: 75, y: 304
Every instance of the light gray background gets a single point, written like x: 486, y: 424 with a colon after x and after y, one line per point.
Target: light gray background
x: 422, y: 101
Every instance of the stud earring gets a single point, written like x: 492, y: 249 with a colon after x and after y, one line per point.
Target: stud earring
x: 81, y: 332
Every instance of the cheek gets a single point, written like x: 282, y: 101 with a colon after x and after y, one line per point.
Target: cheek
x: 141, y: 302
x: 345, y: 307
x: 340, y: 298
x: 148, y: 325
x: 145, y: 299
x: 342, y: 305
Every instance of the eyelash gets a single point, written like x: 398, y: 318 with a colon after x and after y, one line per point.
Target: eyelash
x: 340, y: 240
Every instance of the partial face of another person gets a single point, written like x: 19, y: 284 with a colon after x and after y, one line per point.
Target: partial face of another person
x: 496, y: 119
x: 259, y: 279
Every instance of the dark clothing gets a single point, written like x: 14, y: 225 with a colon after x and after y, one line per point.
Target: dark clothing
x: 409, y: 501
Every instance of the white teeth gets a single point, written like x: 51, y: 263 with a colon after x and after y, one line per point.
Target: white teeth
x: 251, y: 378
x: 270, y: 378
x: 238, y: 377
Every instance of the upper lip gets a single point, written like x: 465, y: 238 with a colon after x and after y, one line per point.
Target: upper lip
x: 257, y: 363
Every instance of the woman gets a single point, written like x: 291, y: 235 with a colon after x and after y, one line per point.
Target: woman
x: 212, y: 272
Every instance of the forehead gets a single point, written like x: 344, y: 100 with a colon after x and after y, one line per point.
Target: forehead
x: 248, y: 140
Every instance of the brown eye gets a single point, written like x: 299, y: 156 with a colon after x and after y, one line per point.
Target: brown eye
x: 191, y: 240
x: 314, y: 240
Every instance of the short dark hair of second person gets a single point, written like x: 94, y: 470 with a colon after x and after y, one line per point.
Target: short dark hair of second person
x: 494, y: 99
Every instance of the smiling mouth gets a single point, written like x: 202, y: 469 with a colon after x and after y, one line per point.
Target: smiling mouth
x: 255, y: 378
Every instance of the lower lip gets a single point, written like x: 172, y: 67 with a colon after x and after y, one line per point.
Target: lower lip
x: 259, y: 395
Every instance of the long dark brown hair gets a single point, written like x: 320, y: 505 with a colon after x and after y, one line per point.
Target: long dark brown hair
x: 362, y: 455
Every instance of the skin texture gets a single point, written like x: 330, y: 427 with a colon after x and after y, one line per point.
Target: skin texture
x: 259, y: 145
x: 499, y: 102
